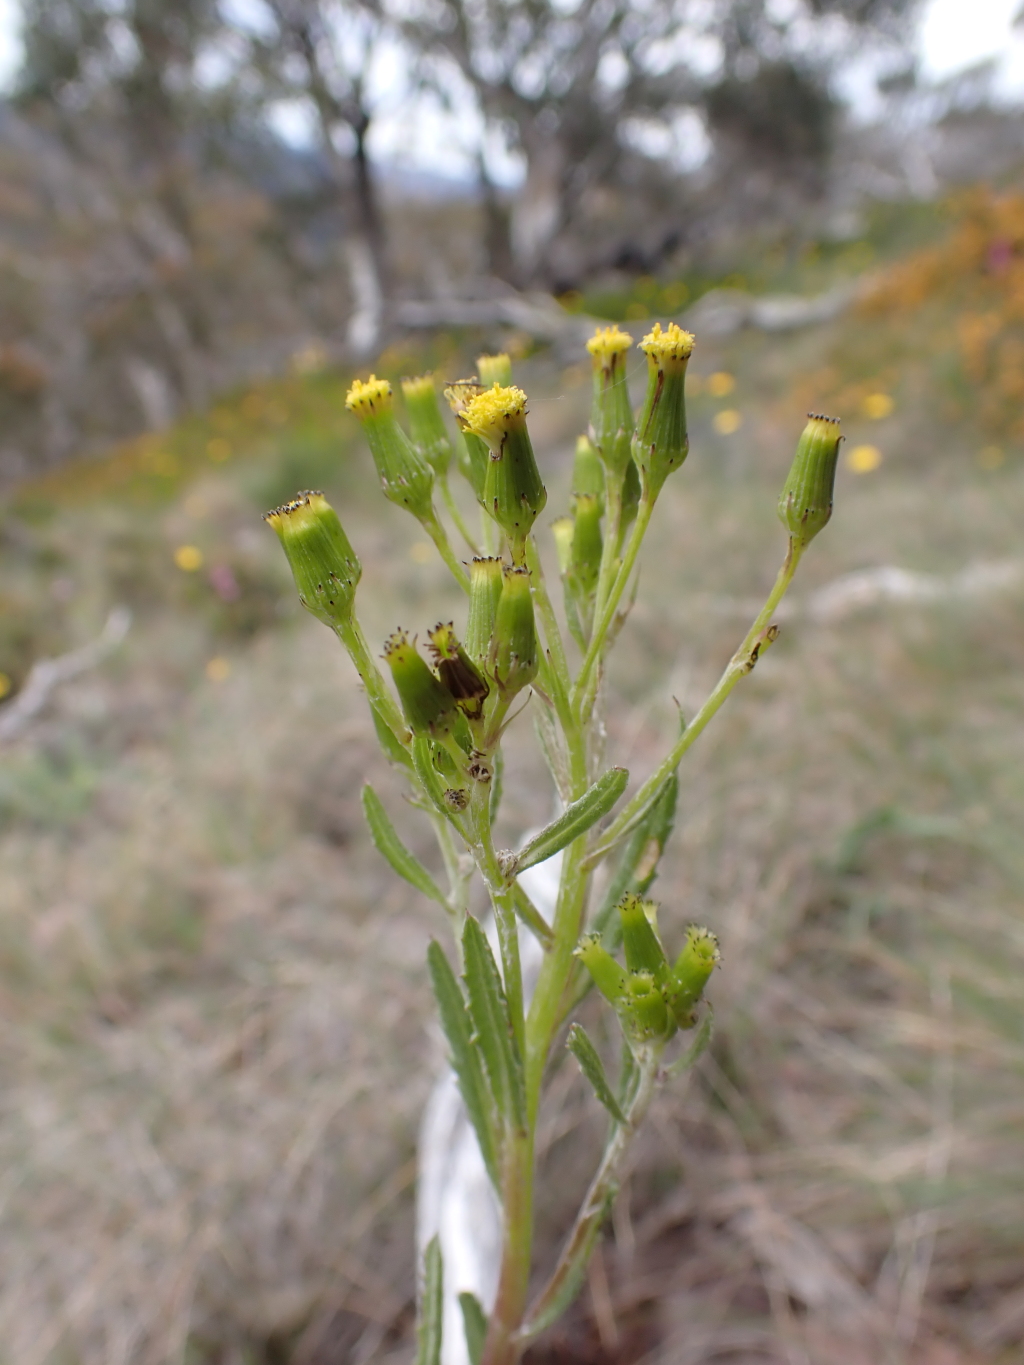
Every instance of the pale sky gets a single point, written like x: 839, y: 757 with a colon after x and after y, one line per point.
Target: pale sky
x: 954, y: 34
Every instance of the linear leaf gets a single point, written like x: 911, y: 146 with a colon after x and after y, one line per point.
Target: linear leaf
x: 488, y: 1009
x: 531, y: 917
x: 390, y: 846
x: 465, y: 1057
x: 576, y: 819
x: 474, y: 1320
x: 585, y: 1052
x: 638, y: 862
x: 428, y: 1329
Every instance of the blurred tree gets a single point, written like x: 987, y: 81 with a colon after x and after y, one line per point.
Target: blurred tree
x: 582, y: 90
x: 320, y: 54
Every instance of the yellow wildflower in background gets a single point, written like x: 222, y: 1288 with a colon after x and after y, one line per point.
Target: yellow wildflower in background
x: 863, y: 459
x: 189, y: 558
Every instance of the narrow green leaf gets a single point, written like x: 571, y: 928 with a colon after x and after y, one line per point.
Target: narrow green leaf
x: 465, y: 1058
x: 531, y: 917
x: 393, y: 748
x: 585, y: 1052
x: 576, y: 819
x: 390, y: 846
x: 431, y: 1315
x: 488, y: 1009
x: 475, y: 1322
x: 638, y: 863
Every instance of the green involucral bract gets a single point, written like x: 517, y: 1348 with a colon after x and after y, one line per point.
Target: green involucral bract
x: 405, y: 476
x: 323, y: 563
x: 426, y: 425
x: 805, y: 504
x: 513, y: 657
x: 661, y: 443
x: 428, y: 706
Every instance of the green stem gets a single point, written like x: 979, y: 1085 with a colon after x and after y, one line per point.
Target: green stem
x: 455, y: 514
x: 439, y: 536
x: 502, y: 1346
x: 351, y: 636
x: 589, y: 674
x: 741, y: 663
x: 565, y: 1279
x: 610, y: 545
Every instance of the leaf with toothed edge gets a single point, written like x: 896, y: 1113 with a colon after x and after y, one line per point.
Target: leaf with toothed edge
x: 465, y: 1057
x: 474, y: 1320
x: 586, y: 1054
x: 575, y: 820
x: 431, y: 1314
x: 488, y: 1010
x: 390, y: 846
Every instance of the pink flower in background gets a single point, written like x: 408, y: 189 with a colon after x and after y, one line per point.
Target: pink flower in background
x: 224, y: 583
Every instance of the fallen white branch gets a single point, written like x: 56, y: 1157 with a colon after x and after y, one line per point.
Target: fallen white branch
x: 48, y: 674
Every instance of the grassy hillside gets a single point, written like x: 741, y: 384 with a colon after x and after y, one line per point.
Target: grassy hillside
x: 209, y: 980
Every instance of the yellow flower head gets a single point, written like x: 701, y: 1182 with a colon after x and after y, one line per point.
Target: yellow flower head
x: 369, y: 397
x: 493, y: 412
x: 303, y: 509
x: 422, y: 386
x: 607, y: 345
x: 671, y: 344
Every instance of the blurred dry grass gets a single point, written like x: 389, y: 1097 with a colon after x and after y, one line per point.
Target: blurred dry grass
x: 217, y: 1039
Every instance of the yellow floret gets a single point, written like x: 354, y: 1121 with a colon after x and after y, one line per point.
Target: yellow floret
x: 420, y: 387
x: 607, y: 343
x: 492, y: 412
x: 368, y: 397
x: 671, y: 344
x: 303, y: 509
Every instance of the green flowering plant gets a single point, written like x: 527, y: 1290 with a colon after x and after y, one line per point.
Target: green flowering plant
x: 442, y: 722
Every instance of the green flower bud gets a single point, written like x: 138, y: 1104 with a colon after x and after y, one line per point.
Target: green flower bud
x: 405, y: 476
x: 485, y: 582
x: 609, y: 978
x: 587, y: 470
x: 458, y: 672
x: 494, y: 369
x: 563, y: 530
x: 586, y: 541
x: 690, y: 974
x: 806, y: 501
x: 513, y: 492
x: 426, y: 425
x: 471, y: 453
x: 611, y: 415
x: 643, y: 1009
x: 513, y: 656
x: 428, y: 705
x: 661, y: 443
x: 644, y: 952
x: 323, y: 563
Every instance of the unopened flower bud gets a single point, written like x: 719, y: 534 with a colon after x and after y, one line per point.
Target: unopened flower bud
x: 644, y: 952
x: 513, y: 654
x: 563, y: 530
x: 609, y: 978
x: 485, y: 582
x: 690, y: 974
x: 458, y: 672
x: 426, y: 425
x: 611, y: 416
x: 322, y: 561
x: 471, y: 453
x: 586, y: 541
x: 405, y: 476
x: 661, y: 443
x: 494, y: 369
x: 643, y: 1009
x: 513, y: 492
x: 428, y: 705
x: 587, y: 470
x: 806, y: 501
